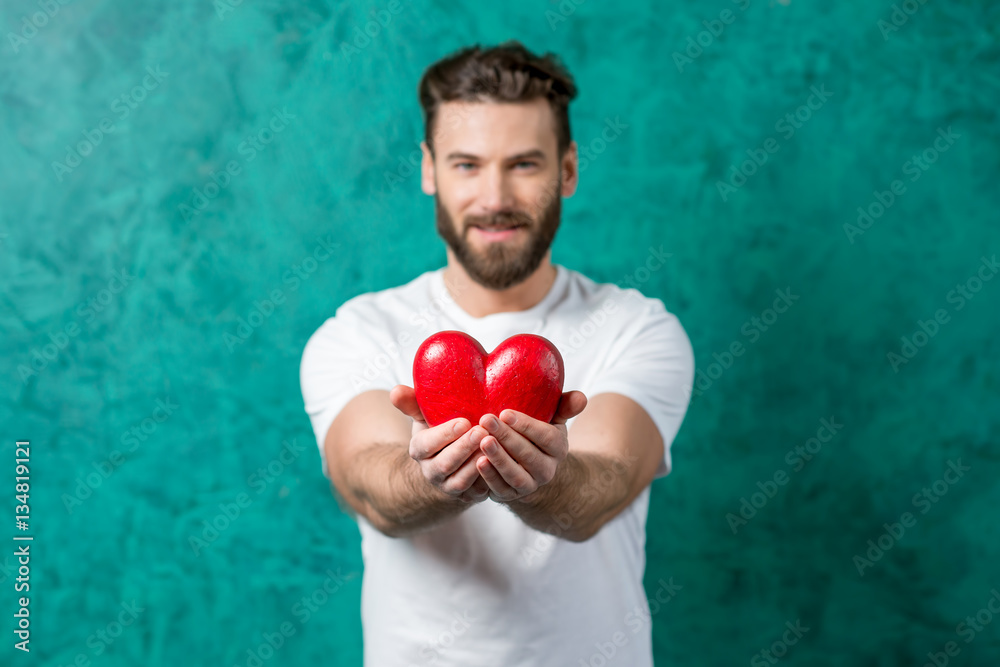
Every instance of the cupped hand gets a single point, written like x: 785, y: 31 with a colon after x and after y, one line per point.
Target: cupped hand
x: 523, y: 453
x: 446, y: 454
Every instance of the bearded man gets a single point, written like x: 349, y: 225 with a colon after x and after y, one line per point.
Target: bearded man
x: 509, y: 541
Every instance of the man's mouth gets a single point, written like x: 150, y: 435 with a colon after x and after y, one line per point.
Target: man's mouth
x: 498, y: 228
x: 497, y: 232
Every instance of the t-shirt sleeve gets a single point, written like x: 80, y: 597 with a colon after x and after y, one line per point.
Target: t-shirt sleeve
x: 653, y: 364
x: 342, y: 359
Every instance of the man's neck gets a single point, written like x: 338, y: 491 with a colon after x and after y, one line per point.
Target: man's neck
x: 479, y: 301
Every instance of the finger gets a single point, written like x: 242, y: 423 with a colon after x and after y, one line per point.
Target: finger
x: 479, y: 491
x: 547, y: 438
x: 405, y: 400
x: 474, y: 498
x: 510, y: 470
x: 440, y: 469
x: 570, y: 405
x: 522, y: 449
x: 494, y: 481
x: 463, y: 479
x: 430, y: 441
x: 480, y: 486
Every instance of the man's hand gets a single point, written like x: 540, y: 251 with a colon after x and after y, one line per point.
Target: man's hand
x: 523, y: 453
x: 446, y: 453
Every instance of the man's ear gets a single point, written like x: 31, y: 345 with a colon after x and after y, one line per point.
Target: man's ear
x: 427, y: 183
x: 570, y: 166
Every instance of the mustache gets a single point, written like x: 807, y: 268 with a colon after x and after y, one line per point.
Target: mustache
x: 504, y: 218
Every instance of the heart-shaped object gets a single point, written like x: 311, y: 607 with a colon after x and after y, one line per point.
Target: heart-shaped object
x: 454, y: 377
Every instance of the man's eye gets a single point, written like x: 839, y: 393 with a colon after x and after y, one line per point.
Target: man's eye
x: 530, y: 164
x: 459, y: 165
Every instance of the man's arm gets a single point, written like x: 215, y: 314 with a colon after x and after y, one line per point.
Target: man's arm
x: 372, y: 450
x: 614, y: 449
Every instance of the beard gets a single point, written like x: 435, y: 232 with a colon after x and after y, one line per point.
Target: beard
x: 501, y: 264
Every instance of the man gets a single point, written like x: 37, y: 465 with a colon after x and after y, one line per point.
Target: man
x: 510, y: 541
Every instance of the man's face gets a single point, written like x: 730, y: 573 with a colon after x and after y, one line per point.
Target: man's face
x: 498, y: 186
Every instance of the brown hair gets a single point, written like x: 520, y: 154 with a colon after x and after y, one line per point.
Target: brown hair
x: 505, y: 73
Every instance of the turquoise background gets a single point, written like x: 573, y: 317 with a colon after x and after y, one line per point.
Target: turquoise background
x: 356, y: 119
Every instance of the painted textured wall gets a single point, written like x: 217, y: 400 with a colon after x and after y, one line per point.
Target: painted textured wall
x: 750, y: 135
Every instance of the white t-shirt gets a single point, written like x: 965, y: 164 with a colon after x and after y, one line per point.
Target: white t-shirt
x: 483, y: 588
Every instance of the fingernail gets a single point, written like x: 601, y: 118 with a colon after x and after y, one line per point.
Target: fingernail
x: 490, y: 447
x: 507, y: 417
x: 491, y: 423
x: 458, y: 428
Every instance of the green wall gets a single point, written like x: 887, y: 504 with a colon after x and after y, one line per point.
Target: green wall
x: 168, y: 329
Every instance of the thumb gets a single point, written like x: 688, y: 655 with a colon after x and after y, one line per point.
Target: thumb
x: 571, y: 404
x: 404, y: 398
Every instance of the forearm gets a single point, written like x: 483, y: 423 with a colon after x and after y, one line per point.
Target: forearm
x: 395, y: 496
x: 575, y: 503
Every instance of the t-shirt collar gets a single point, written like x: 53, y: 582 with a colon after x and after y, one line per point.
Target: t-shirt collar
x: 533, y: 316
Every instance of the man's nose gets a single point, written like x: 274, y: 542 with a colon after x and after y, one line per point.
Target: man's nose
x: 496, y: 193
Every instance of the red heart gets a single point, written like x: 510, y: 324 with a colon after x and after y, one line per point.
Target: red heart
x: 454, y: 377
